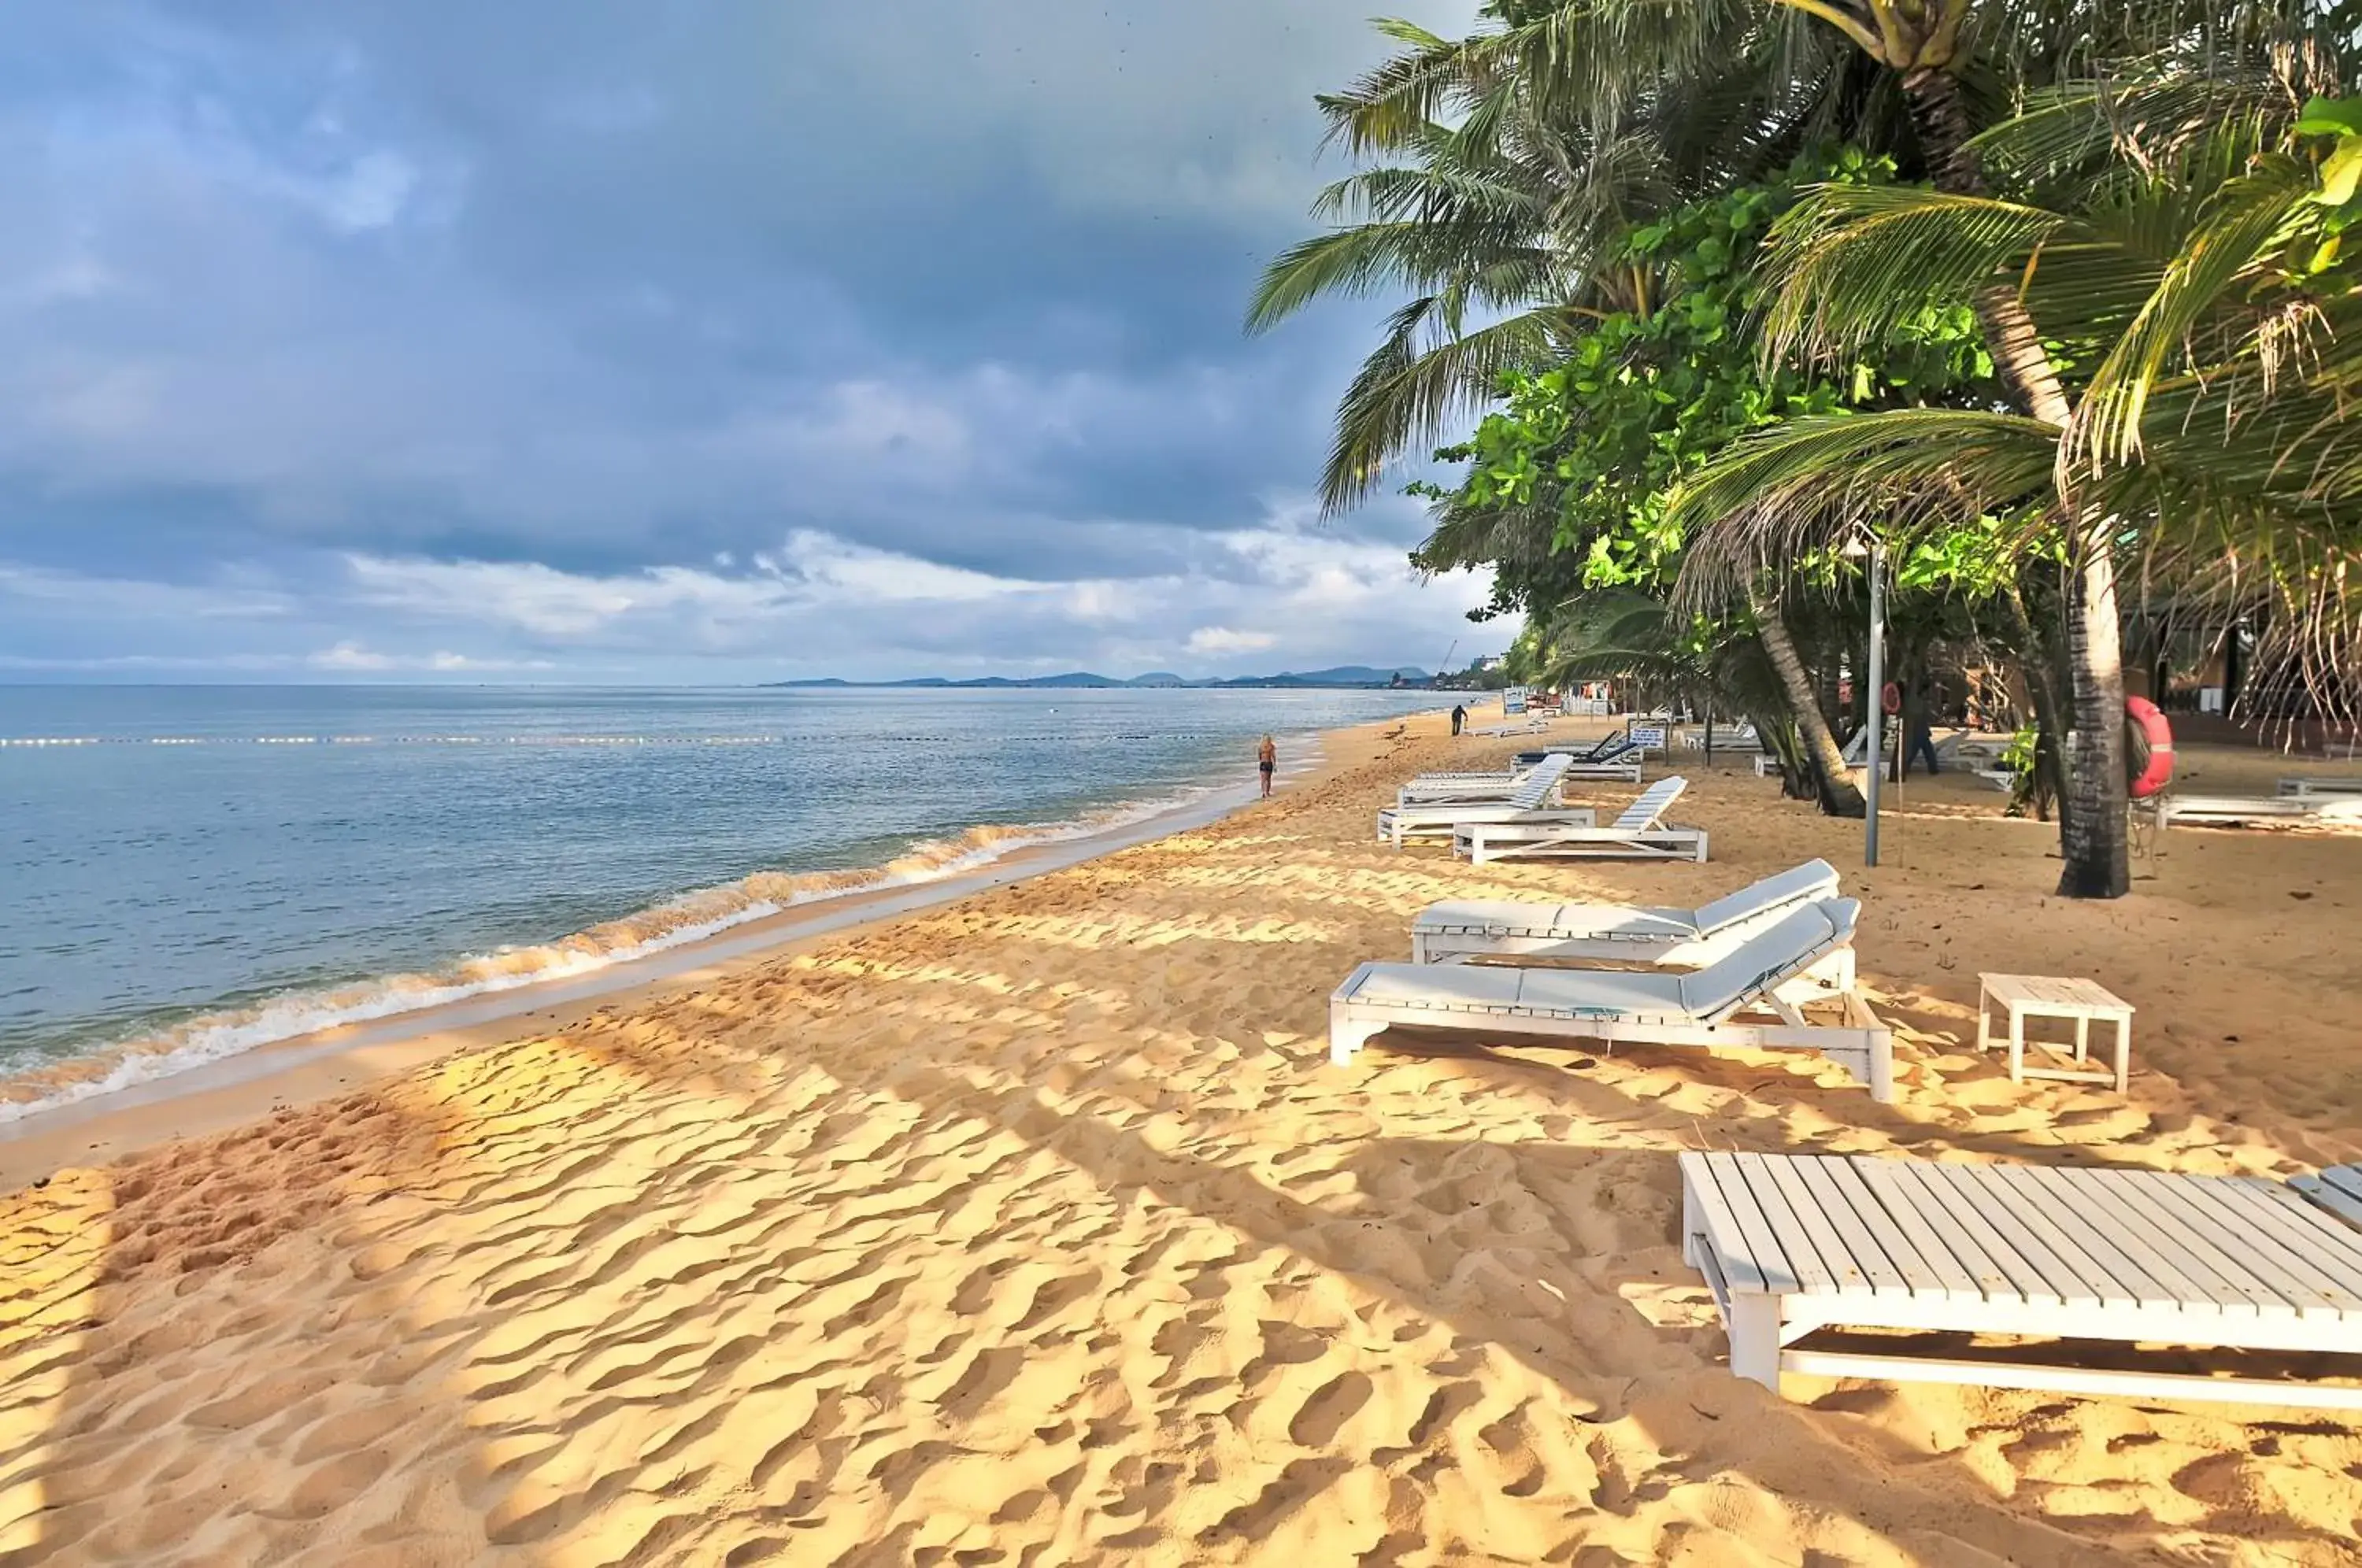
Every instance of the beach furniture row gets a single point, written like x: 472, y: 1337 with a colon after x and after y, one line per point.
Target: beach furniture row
x: 1791, y: 1245
x: 1500, y: 820
x: 1639, y: 832
x: 1615, y: 755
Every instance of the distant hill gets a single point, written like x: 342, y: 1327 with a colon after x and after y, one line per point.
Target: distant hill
x: 1342, y: 675
x: 1346, y: 675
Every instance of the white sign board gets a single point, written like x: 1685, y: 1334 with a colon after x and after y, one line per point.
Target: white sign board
x: 1648, y: 737
x: 1513, y: 699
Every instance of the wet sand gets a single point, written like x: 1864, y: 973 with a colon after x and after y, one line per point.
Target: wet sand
x: 1035, y: 1228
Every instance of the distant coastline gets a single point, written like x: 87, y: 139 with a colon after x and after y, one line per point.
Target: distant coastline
x: 1343, y: 677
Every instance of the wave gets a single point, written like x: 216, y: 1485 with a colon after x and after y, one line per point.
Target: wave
x: 679, y: 922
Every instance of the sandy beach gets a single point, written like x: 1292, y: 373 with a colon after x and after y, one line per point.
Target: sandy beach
x: 1035, y: 1228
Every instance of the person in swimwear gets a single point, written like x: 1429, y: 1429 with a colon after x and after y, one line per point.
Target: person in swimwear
x: 1266, y: 760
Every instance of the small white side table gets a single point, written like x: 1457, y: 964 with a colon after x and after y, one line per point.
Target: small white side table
x: 2021, y: 996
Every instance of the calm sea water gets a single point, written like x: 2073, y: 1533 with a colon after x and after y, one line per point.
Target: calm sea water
x: 209, y: 868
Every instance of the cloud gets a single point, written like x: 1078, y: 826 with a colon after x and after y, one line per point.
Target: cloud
x: 320, y: 321
x: 350, y: 658
x: 1218, y: 641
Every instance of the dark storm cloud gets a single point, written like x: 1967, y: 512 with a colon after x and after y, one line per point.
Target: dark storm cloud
x: 607, y: 289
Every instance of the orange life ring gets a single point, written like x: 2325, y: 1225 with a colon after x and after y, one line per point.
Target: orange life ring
x: 2159, y: 735
x: 1890, y: 697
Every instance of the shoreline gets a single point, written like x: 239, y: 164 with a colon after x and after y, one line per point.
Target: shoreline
x: 305, y: 1069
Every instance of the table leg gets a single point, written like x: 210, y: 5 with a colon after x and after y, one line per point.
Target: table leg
x: 2017, y: 1044
x: 1984, y: 1017
x: 2082, y: 1036
x: 2123, y: 1052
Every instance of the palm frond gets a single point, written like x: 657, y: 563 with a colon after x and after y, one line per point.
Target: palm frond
x: 2248, y: 216
x: 1405, y: 395
x: 1851, y: 263
x: 1809, y: 484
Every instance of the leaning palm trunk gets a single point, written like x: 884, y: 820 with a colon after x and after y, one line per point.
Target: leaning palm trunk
x: 2093, y: 831
x: 1834, y: 779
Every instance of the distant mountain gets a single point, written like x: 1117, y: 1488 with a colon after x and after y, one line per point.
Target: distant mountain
x: 1342, y: 675
x: 1347, y: 675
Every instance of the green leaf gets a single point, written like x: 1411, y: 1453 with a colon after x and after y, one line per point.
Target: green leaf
x: 2331, y: 117
x: 2340, y: 173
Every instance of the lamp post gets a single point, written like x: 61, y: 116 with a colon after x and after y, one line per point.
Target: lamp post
x: 1877, y: 698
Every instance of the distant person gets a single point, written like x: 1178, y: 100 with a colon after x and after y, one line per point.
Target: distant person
x: 1266, y: 762
x: 1459, y: 718
x: 1923, y: 737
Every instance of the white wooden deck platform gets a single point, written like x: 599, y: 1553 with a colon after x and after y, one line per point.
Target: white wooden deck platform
x: 1792, y: 1243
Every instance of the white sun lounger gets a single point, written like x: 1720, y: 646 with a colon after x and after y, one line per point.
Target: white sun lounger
x: 2233, y: 811
x: 1640, y: 834
x: 1660, y: 1007
x: 1792, y: 1243
x: 1608, y: 747
x: 1435, y: 789
x: 1461, y: 929
x: 1615, y: 758
x: 1524, y: 801
x: 2306, y: 788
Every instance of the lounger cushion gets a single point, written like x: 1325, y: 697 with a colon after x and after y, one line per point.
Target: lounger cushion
x: 1443, y: 813
x: 1814, y: 879
x: 1568, y: 993
x: 1501, y: 918
x: 1770, y: 956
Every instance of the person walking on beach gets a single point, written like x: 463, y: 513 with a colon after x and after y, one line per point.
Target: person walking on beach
x: 1459, y: 717
x: 1266, y: 761
x: 1923, y: 736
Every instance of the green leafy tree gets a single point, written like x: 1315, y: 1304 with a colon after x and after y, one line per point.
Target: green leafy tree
x: 1573, y: 472
x: 1913, y: 77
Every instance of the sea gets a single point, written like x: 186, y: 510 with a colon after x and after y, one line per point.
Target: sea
x: 187, y: 873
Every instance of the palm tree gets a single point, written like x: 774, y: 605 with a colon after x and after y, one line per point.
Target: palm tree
x: 1921, y: 41
x: 1506, y: 200
x: 1593, y: 60
x: 2188, y: 261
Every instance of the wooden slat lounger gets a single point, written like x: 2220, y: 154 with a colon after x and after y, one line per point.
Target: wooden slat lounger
x: 1640, y: 834
x: 1615, y: 759
x: 1700, y: 1007
x: 1791, y: 1243
x: 2305, y: 788
x: 2225, y: 810
x: 1461, y: 929
x: 1434, y: 789
x: 1607, y: 746
x: 1436, y: 819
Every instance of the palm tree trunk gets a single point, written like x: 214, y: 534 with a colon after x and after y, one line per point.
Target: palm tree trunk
x: 1838, y: 797
x: 2094, y: 840
x: 2040, y: 672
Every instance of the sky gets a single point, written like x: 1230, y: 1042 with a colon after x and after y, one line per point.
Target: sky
x: 680, y: 340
